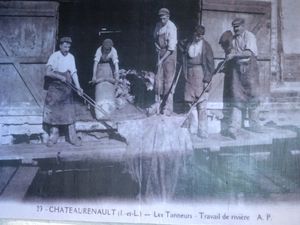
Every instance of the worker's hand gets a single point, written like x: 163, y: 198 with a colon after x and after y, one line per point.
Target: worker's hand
x: 63, y: 78
x: 206, y: 86
x: 79, y: 91
x: 116, y: 74
x: 93, y: 81
x: 111, y: 80
x: 159, y: 63
x: 157, y: 47
x: 230, y: 56
x: 68, y: 76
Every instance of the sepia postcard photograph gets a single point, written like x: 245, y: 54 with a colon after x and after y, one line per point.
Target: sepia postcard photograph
x: 150, y: 112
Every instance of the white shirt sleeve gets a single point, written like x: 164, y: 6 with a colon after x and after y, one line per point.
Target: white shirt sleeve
x: 98, y: 55
x: 61, y: 63
x: 51, y: 61
x: 250, y: 42
x: 72, y: 65
x: 172, y: 36
x: 114, y: 56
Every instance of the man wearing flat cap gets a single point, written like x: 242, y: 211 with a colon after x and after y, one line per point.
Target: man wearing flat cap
x: 59, y: 109
x: 105, y: 74
x: 165, y: 36
x: 198, y: 71
x: 242, y: 86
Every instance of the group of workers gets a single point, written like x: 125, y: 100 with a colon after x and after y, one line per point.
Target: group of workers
x: 241, y: 80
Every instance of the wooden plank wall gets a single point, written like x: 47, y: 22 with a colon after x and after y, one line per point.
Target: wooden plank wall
x: 291, y: 70
x: 28, y: 33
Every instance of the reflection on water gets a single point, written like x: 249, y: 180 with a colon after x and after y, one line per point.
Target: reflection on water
x: 248, y: 173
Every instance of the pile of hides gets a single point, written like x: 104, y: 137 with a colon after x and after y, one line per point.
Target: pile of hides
x: 123, y: 95
x: 141, y: 87
x: 147, y: 77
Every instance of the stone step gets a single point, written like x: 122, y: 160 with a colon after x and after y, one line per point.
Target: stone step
x: 285, y: 94
x: 286, y: 90
x: 289, y: 100
x: 281, y: 107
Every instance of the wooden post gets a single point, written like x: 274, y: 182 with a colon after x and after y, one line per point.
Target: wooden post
x: 200, y: 12
x: 280, y: 44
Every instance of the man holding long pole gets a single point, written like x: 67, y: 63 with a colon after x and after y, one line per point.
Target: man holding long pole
x: 198, y: 74
x: 165, y: 36
x: 59, y: 109
x: 241, y: 85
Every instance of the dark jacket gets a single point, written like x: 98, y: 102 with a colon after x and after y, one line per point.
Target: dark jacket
x: 206, y: 60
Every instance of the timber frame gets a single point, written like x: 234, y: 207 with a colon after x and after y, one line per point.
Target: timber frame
x: 23, y: 54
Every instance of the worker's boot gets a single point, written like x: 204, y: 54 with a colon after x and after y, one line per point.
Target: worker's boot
x: 53, y: 138
x: 167, y: 108
x: 254, y: 125
x: 230, y: 132
x: 202, y: 123
x: 234, y: 120
x: 193, y: 122
x: 73, y: 138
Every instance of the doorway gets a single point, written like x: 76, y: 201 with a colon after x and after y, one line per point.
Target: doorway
x: 135, y: 19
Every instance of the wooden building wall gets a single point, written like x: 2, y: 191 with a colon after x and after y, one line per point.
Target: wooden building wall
x: 27, y: 37
x: 217, y: 16
x: 290, y: 30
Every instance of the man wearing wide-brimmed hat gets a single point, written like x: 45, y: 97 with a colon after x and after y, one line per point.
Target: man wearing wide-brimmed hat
x: 198, y: 74
x: 165, y: 36
x: 241, y: 96
x: 59, y: 108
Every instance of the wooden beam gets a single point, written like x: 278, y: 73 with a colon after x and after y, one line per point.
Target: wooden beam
x: 6, y: 174
x: 216, y: 142
x: 237, y: 6
x: 27, y: 13
x: 20, y: 129
x: 31, y: 87
x: 106, y: 150
x: 19, y: 184
x: 21, y: 111
x: 29, y: 119
x: 200, y: 5
x: 23, y: 60
x: 29, y: 8
x: 280, y: 42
